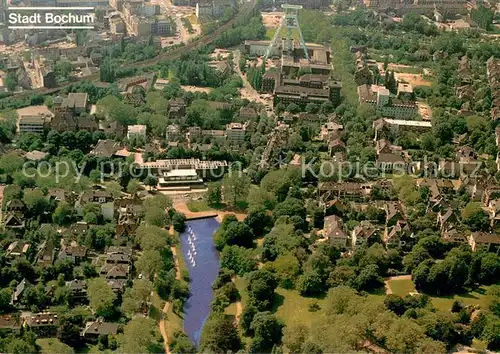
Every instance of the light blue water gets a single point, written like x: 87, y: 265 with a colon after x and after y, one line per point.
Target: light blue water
x: 203, y: 270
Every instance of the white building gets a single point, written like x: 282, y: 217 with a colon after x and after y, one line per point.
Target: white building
x: 136, y: 131
x: 235, y: 133
x: 33, y: 119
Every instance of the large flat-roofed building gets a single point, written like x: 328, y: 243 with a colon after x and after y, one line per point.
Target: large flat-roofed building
x: 138, y: 131
x: 307, y: 4
x: 235, y: 133
x: 309, y: 88
x: 319, y: 55
x: 180, y: 177
x: 380, y: 98
x: 204, y: 169
x: 34, y: 119
x: 207, y: 10
x: 401, y: 7
x: 87, y: 3
x: 398, y: 125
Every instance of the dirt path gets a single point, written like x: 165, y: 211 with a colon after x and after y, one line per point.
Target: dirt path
x: 239, y: 307
x: 176, y: 260
x: 388, y: 289
x: 173, y: 249
x: 182, y: 208
x: 163, y: 330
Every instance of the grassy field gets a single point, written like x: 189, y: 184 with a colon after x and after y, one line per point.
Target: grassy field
x: 473, y: 298
x: 293, y: 308
x: 271, y: 31
x: 198, y: 205
x: 402, y: 287
x: 173, y: 322
x: 156, y: 307
x: 49, y: 345
x: 476, y: 297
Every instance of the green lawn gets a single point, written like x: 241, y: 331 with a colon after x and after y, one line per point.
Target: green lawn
x: 402, y: 287
x: 173, y: 322
x: 292, y: 308
x: 198, y: 205
x: 51, y: 345
x: 475, y: 297
x: 156, y: 308
x: 182, y: 262
x: 271, y: 31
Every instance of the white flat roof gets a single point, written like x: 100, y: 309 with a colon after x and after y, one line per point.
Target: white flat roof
x: 181, y: 173
x: 136, y: 128
x: 409, y: 123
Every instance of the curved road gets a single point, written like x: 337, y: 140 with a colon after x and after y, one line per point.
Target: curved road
x: 172, y: 55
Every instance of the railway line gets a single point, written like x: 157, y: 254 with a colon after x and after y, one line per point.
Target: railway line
x: 245, y: 10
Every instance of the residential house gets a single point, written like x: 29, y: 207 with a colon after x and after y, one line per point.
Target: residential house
x: 466, y: 154
x: 115, y: 271
x: 136, y: 131
x: 105, y: 148
x: 248, y: 113
x: 448, y: 220
x: 100, y: 197
x: 36, y: 155
x: 364, y: 233
x: 485, y: 240
x: 117, y: 285
x: 493, y: 210
x: 119, y: 255
x: 393, y: 213
x: 348, y: 190
x: 194, y: 132
x: 33, y: 119
x: 46, y: 254
x: 399, y: 235
x: 57, y: 194
x: 216, y: 135
x: 14, y: 215
x: 75, y: 230
x: 456, y: 236
x: 173, y: 133
x: 176, y: 108
x: 43, y: 324
x: 128, y: 220
x: 450, y: 169
x: 334, y: 231
x: 70, y: 114
x: 235, y: 133
x: 490, y: 192
x: 385, y: 127
x: 383, y: 146
x: 390, y: 162
x: 19, y: 291
x: 14, y: 221
x: 10, y: 323
x: 77, y: 289
x: 336, y: 146
x: 94, y: 329
x: 385, y: 104
x: 76, y: 254
x: 18, y: 248
x: 114, y: 128
x: 331, y: 130
x: 334, y: 206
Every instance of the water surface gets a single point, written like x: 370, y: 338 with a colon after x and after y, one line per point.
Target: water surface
x: 203, y: 268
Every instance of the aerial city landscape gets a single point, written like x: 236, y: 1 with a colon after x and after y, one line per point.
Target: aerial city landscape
x: 250, y: 176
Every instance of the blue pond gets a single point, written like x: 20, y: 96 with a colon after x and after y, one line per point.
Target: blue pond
x: 203, y: 270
